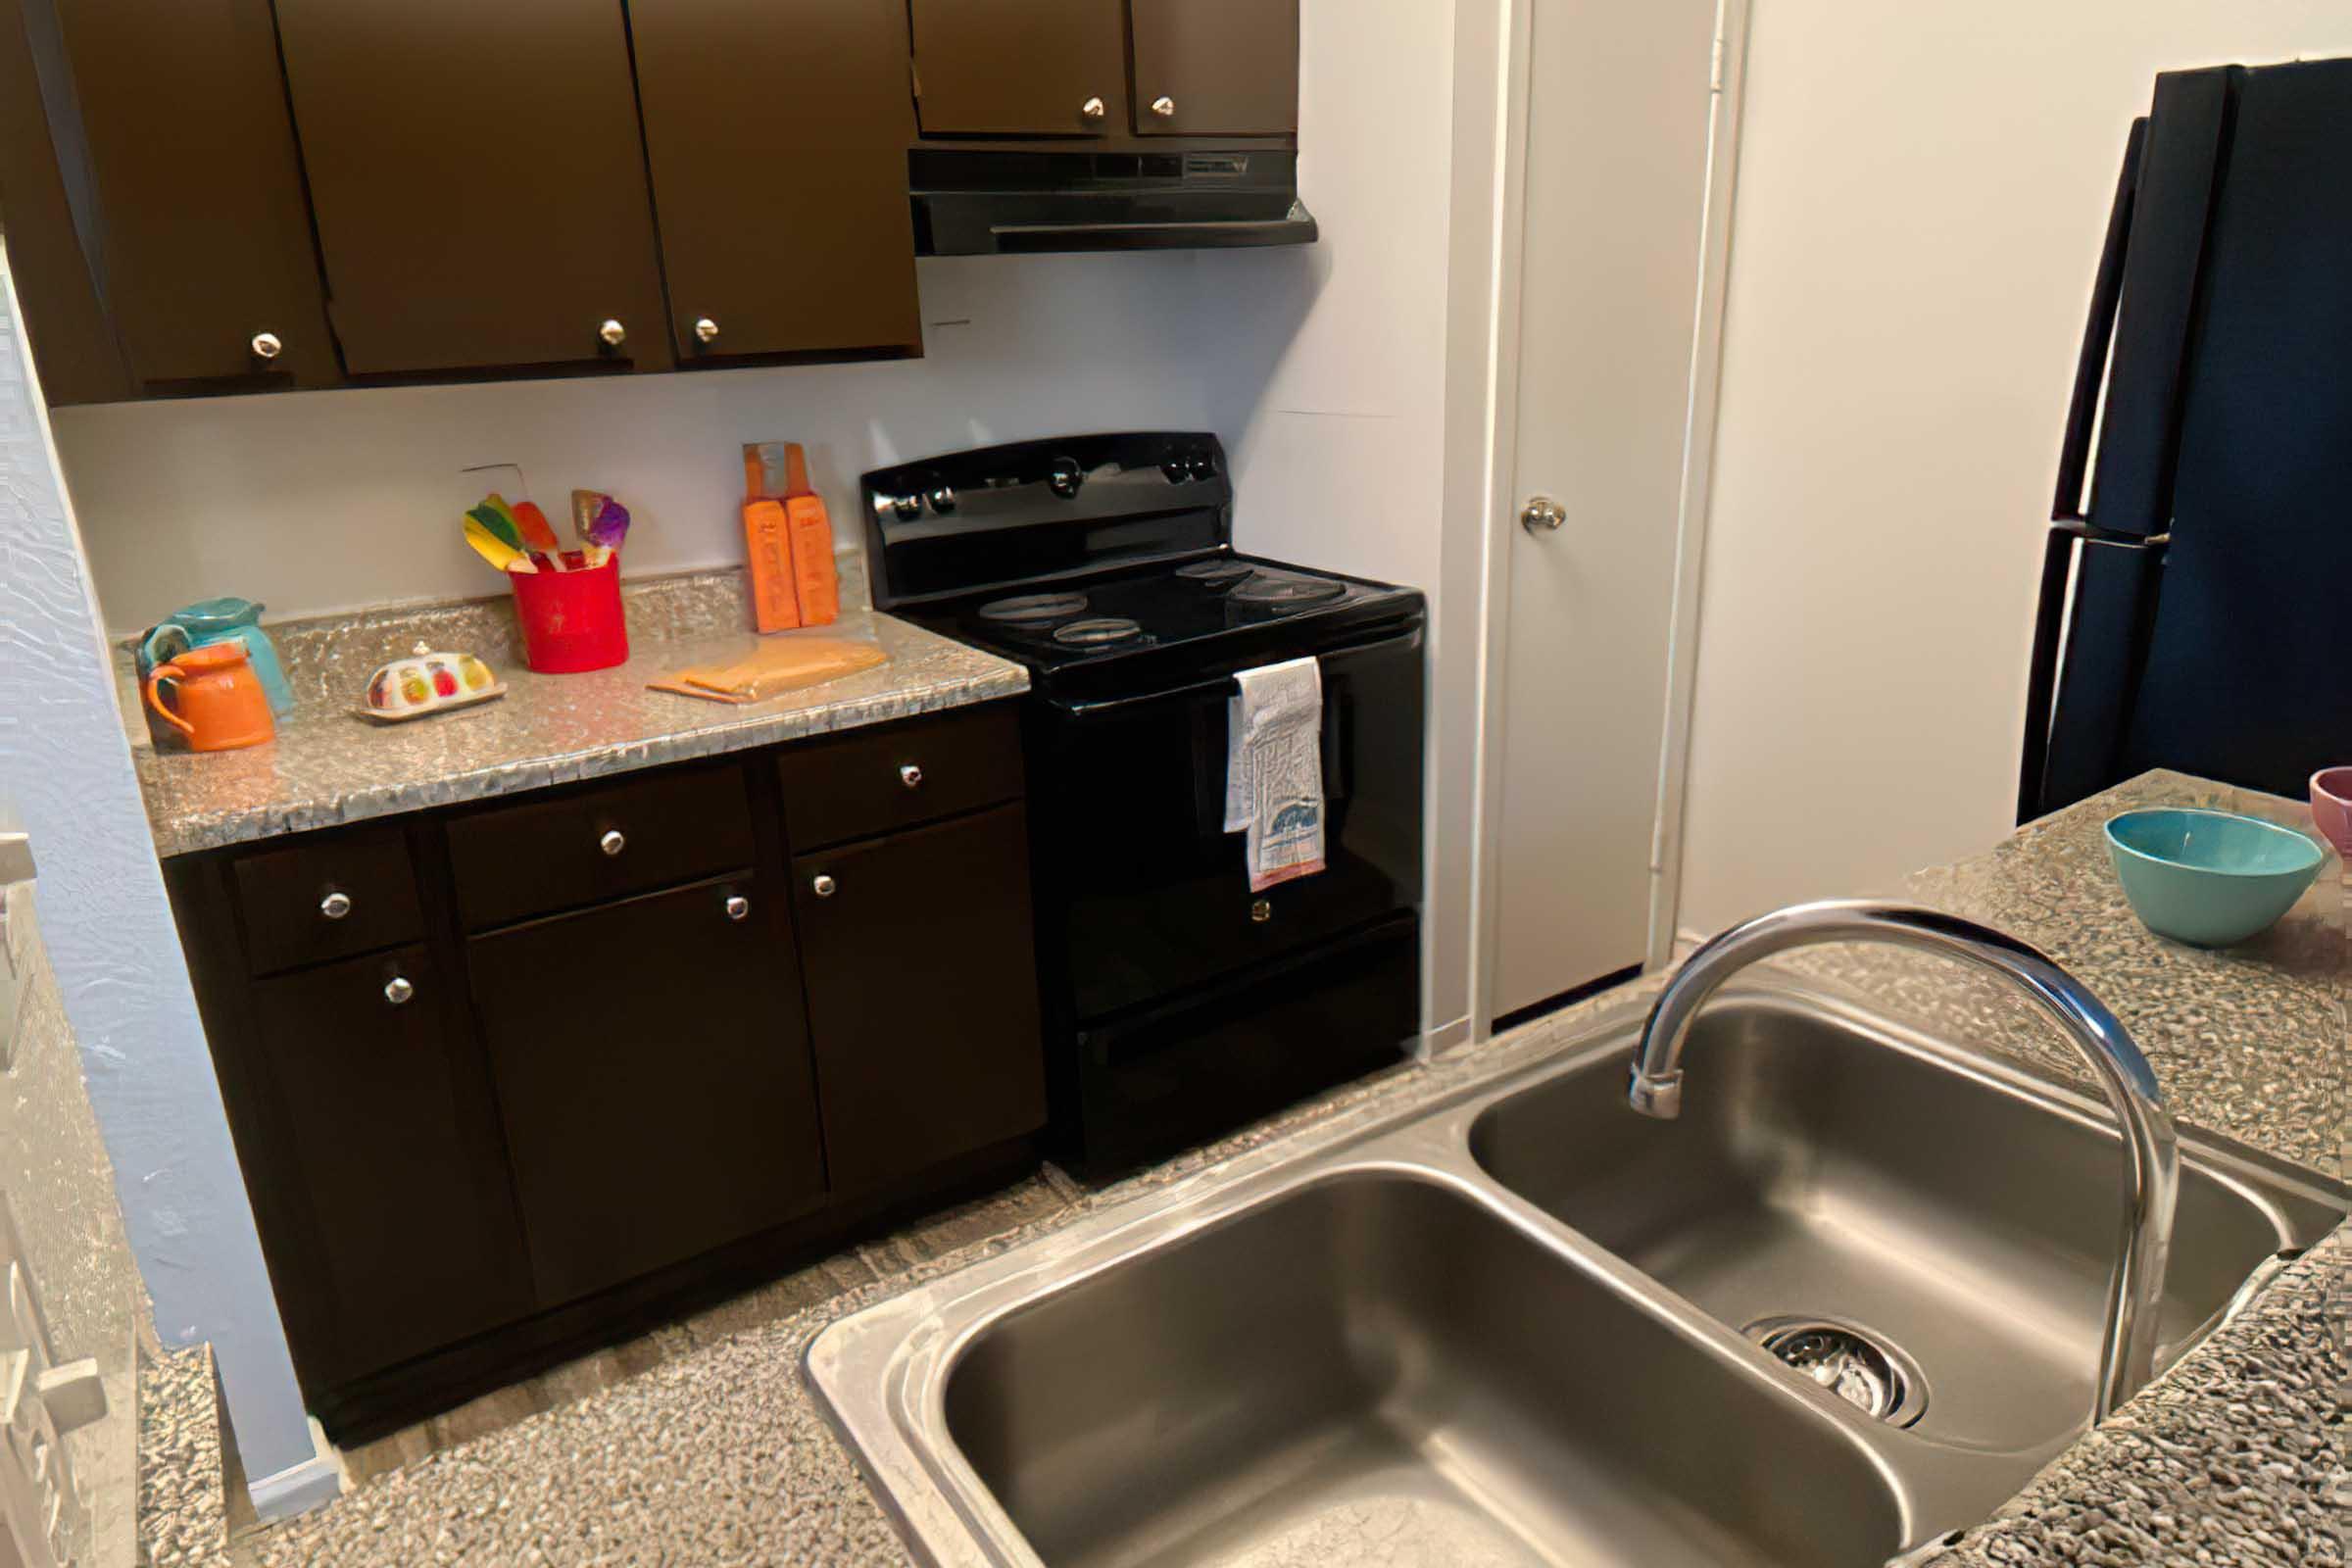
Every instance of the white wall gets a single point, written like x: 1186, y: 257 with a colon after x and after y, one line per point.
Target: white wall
x: 1923, y: 191
x: 64, y: 765
x: 325, y: 500
x: 1326, y: 374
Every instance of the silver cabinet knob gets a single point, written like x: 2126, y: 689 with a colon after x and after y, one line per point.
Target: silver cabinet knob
x: 739, y: 908
x: 1164, y: 107
x: 266, y: 346
x: 612, y: 332
x: 706, y: 330
x: 1094, y: 109
x: 824, y: 887
x: 912, y: 776
x: 1542, y: 516
x: 336, y: 905
x: 1261, y: 911
x: 398, y: 991
x: 613, y: 843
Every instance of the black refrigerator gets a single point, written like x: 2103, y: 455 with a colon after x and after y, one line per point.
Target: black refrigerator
x: 2196, y: 588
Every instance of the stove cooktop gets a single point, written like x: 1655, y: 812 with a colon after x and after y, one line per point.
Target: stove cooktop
x: 1189, y: 617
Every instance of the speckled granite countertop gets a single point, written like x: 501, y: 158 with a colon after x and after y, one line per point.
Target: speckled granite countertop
x: 329, y: 765
x: 2235, y: 1457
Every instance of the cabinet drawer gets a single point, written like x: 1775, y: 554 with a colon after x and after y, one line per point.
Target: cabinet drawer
x: 655, y: 831
x: 353, y: 894
x: 878, y: 780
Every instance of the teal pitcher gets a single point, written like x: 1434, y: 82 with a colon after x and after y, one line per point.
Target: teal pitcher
x: 214, y: 620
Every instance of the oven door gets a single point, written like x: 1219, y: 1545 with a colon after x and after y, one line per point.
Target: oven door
x: 1142, y: 896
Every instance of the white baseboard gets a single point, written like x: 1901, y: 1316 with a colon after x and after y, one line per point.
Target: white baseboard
x: 298, y: 1489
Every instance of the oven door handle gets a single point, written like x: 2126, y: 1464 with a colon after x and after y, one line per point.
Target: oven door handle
x: 1226, y: 685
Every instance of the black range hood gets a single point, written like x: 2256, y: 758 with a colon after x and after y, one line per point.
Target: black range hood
x: 989, y: 203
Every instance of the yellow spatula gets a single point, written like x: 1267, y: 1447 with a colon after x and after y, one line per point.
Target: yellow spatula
x: 495, y: 551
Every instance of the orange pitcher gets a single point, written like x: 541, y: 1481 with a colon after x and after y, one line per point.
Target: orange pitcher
x: 218, y: 702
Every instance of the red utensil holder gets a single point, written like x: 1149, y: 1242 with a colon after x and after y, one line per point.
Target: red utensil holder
x: 571, y: 620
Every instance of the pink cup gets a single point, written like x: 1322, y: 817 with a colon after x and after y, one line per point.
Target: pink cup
x: 2331, y: 807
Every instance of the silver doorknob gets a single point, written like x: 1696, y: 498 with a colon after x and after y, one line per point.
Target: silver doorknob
x: 706, y: 330
x: 912, y: 776
x: 824, y: 887
x: 398, y: 991
x: 266, y: 346
x: 612, y: 332
x: 613, y: 843
x: 739, y: 908
x: 1542, y: 514
x: 1164, y: 107
x: 1094, y: 109
x: 336, y: 905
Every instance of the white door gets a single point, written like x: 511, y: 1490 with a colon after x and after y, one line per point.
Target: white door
x: 1618, y: 121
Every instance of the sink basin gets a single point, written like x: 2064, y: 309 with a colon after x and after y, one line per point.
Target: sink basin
x: 1377, y: 1367
x: 1827, y: 1171
x: 1510, y: 1323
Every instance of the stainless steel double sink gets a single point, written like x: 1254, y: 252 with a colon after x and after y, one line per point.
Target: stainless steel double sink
x: 1519, y: 1324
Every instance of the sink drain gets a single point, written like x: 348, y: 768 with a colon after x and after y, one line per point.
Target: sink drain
x: 1864, y: 1369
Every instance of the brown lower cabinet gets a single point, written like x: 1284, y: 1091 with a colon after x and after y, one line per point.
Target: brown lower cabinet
x: 491, y: 1144
x: 651, y: 1066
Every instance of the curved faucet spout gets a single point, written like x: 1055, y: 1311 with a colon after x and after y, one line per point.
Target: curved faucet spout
x: 2151, y: 1152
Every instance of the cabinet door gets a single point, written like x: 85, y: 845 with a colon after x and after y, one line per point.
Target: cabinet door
x: 200, y: 240
x: 1217, y: 67
x: 478, y: 181
x: 782, y: 192
x: 1019, y: 67
x: 651, y: 1061
x: 922, y: 995
x: 385, y: 1136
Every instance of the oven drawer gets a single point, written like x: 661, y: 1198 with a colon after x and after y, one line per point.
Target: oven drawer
x: 655, y: 830
x: 354, y: 893
x: 1171, y: 1077
x: 872, y: 781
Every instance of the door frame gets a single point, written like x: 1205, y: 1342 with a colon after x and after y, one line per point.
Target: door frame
x: 1492, y: 91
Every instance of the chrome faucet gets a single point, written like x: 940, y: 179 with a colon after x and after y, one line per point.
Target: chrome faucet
x: 2151, y: 1152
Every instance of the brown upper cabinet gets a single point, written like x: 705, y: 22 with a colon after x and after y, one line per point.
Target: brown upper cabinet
x: 478, y: 182
x: 1217, y: 67
x: 1021, y: 68
x: 182, y: 189
x: 781, y: 189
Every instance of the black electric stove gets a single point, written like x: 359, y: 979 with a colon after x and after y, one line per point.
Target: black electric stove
x: 1179, y: 1004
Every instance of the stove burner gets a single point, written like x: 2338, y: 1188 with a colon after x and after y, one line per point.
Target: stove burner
x: 1285, y: 592
x: 1100, y: 629
x: 1033, y: 610
x: 1215, y: 573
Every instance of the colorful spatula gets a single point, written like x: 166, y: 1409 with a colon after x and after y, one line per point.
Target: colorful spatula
x: 491, y: 548
x: 601, y: 523
x: 538, y: 535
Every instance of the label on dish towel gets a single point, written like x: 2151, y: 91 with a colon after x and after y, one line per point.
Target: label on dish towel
x: 1274, y: 770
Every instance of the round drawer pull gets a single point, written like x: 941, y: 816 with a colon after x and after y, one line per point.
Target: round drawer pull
x: 1164, y: 107
x: 613, y: 843
x: 266, y: 346
x: 706, y: 330
x: 912, y: 776
x: 739, y: 908
x: 612, y: 333
x: 824, y: 887
x: 1261, y: 911
x: 1094, y: 109
x: 398, y: 991
x: 336, y: 905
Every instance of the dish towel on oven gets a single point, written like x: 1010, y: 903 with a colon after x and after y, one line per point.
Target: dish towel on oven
x: 1274, y: 769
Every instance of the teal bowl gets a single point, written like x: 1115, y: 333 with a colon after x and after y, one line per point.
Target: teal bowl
x: 2209, y: 878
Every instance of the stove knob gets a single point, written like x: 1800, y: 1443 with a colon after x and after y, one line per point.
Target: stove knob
x: 1202, y: 465
x: 1065, y: 478
x: 1176, y: 471
x: 943, y: 499
x: 908, y: 507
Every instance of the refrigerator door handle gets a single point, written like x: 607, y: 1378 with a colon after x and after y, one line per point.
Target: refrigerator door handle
x: 2098, y: 337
